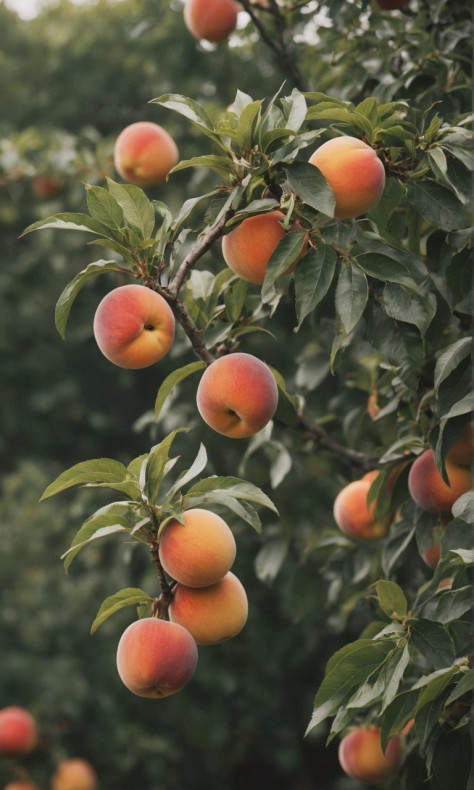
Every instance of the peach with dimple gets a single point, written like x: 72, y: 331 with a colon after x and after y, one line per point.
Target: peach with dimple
x: 144, y: 153
x: 353, y: 171
x: 211, y: 614
x: 156, y: 658
x: 237, y: 395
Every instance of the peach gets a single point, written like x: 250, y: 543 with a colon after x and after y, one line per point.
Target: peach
x: 213, y: 20
x: 45, y: 185
x: 431, y: 555
x: 134, y: 326
x: 428, y: 489
x: 211, y: 614
x: 198, y: 552
x: 74, y: 773
x: 353, y: 171
x: 361, y: 756
x: 21, y: 784
x: 354, y: 516
x: 156, y: 658
x: 18, y: 731
x: 144, y: 153
x: 248, y: 248
x: 460, y: 451
x: 237, y: 395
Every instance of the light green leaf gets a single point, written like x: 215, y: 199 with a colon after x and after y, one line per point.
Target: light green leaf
x: 173, y: 380
x: 103, y: 207
x: 156, y: 465
x: 222, y: 165
x: 392, y: 599
x: 233, y: 486
x: 69, y: 221
x: 137, y: 210
x: 99, y: 470
x: 194, y: 470
x: 131, y: 596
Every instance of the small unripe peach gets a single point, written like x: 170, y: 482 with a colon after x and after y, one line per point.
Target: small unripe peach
x: 352, y: 513
x: 211, y: 614
x: 248, y: 248
x: 144, y: 153
x: 198, y: 552
x: 237, y: 395
x: 134, y: 326
x: 361, y: 756
x: 18, y: 731
x: 156, y: 658
x: 75, y: 773
x: 353, y: 171
x: 427, y: 487
x: 213, y: 20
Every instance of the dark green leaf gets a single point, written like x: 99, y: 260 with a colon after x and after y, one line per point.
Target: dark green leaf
x: 433, y: 642
x: 352, y: 293
x: 313, y: 277
x: 309, y: 184
x: 438, y: 205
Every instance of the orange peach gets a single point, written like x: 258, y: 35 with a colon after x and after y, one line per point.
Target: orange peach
x: 134, y: 326
x: 156, y: 658
x: 237, y: 395
x: 18, y: 731
x: 74, y: 773
x: 198, y: 552
x: 427, y: 487
x: 460, y: 451
x: 144, y: 153
x: 21, y: 784
x: 361, y: 756
x: 211, y: 614
x: 353, y: 171
x: 248, y: 248
x: 213, y: 20
x: 354, y: 516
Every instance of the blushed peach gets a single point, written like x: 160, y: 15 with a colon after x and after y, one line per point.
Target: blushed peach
x: 213, y: 20
x: 211, y: 614
x: 352, y: 513
x: 353, y: 171
x: 361, y: 756
x: 427, y: 487
x: 156, y: 658
x: 74, y: 773
x: 460, y: 451
x: 18, y: 731
x: 248, y: 247
x: 198, y: 552
x: 237, y: 395
x: 21, y: 784
x: 431, y: 555
x: 134, y: 326
x: 144, y: 153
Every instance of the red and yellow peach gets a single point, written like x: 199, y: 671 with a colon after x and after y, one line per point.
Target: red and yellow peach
x: 74, y: 773
x: 134, y: 326
x: 156, y: 658
x: 213, y: 20
x: 18, y: 731
x: 144, y: 154
x: 237, y: 395
x: 427, y: 487
x: 361, y: 756
x: 352, y: 513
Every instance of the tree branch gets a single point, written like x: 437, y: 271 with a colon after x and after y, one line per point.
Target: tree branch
x: 352, y: 457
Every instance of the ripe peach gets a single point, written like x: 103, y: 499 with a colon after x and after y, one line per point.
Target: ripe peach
x: 248, y: 248
x: 237, y: 395
x: 200, y: 551
x: 21, y: 784
x: 353, y: 171
x: 354, y: 516
x: 211, y: 614
x: 213, y: 20
x: 461, y: 451
x: 134, y: 326
x: 156, y: 658
x: 431, y: 556
x: 361, y: 756
x: 18, y: 731
x: 144, y: 153
x: 75, y: 773
x: 427, y: 487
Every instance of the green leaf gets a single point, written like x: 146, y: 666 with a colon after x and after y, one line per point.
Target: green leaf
x: 103, y: 207
x: 109, y: 520
x: 131, y: 596
x: 240, y: 507
x: 191, y: 110
x: 352, y: 293
x: 287, y: 410
x: 137, y: 210
x: 232, y: 486
x: 222, y: 165
x: 346, y: 670
x: 403, y: 305
x: 68, y: 296
x: 438, y: 205
x: 464, y: 686
x: 433, y: 685
x: 69, y: 221
x: 432, y: 641
x: 100, y: 471
x: 285, y: 254
x: 396, y: 715
x: 156, y: 465
x: 450, y: 359
x: 392, y: 599
x: 309, y: 184
x: 313, y: 277
x: 245, y: 133
x: 387, y: 269
x: 194, y: 470
x: 173, y: 380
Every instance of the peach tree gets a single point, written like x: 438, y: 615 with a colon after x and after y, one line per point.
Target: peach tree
x: 378, y: 304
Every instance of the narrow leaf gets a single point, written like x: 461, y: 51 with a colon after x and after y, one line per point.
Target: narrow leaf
x: 352, y: 293
x: 173, y: 380
x: 313, y: 277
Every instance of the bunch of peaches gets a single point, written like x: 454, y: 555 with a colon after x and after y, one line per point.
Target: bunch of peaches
x: 19, y: 736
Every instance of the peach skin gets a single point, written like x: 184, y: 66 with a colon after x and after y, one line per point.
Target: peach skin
x: 353, y: 171
x: 428, y: 489
x: 361, y: 756
x: 18, y: 731
x: 211, y: 614
x: 144, y: 153
x: 237, y: 395
x: 354, y: 516
x: 460, y: 451
x: 21, y: 784
x: 74, y: 773
x: 213, y: 20
x: 134, y: 326
x: 198, y: 552
x: 156, y: 658
x: 248, y: 248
